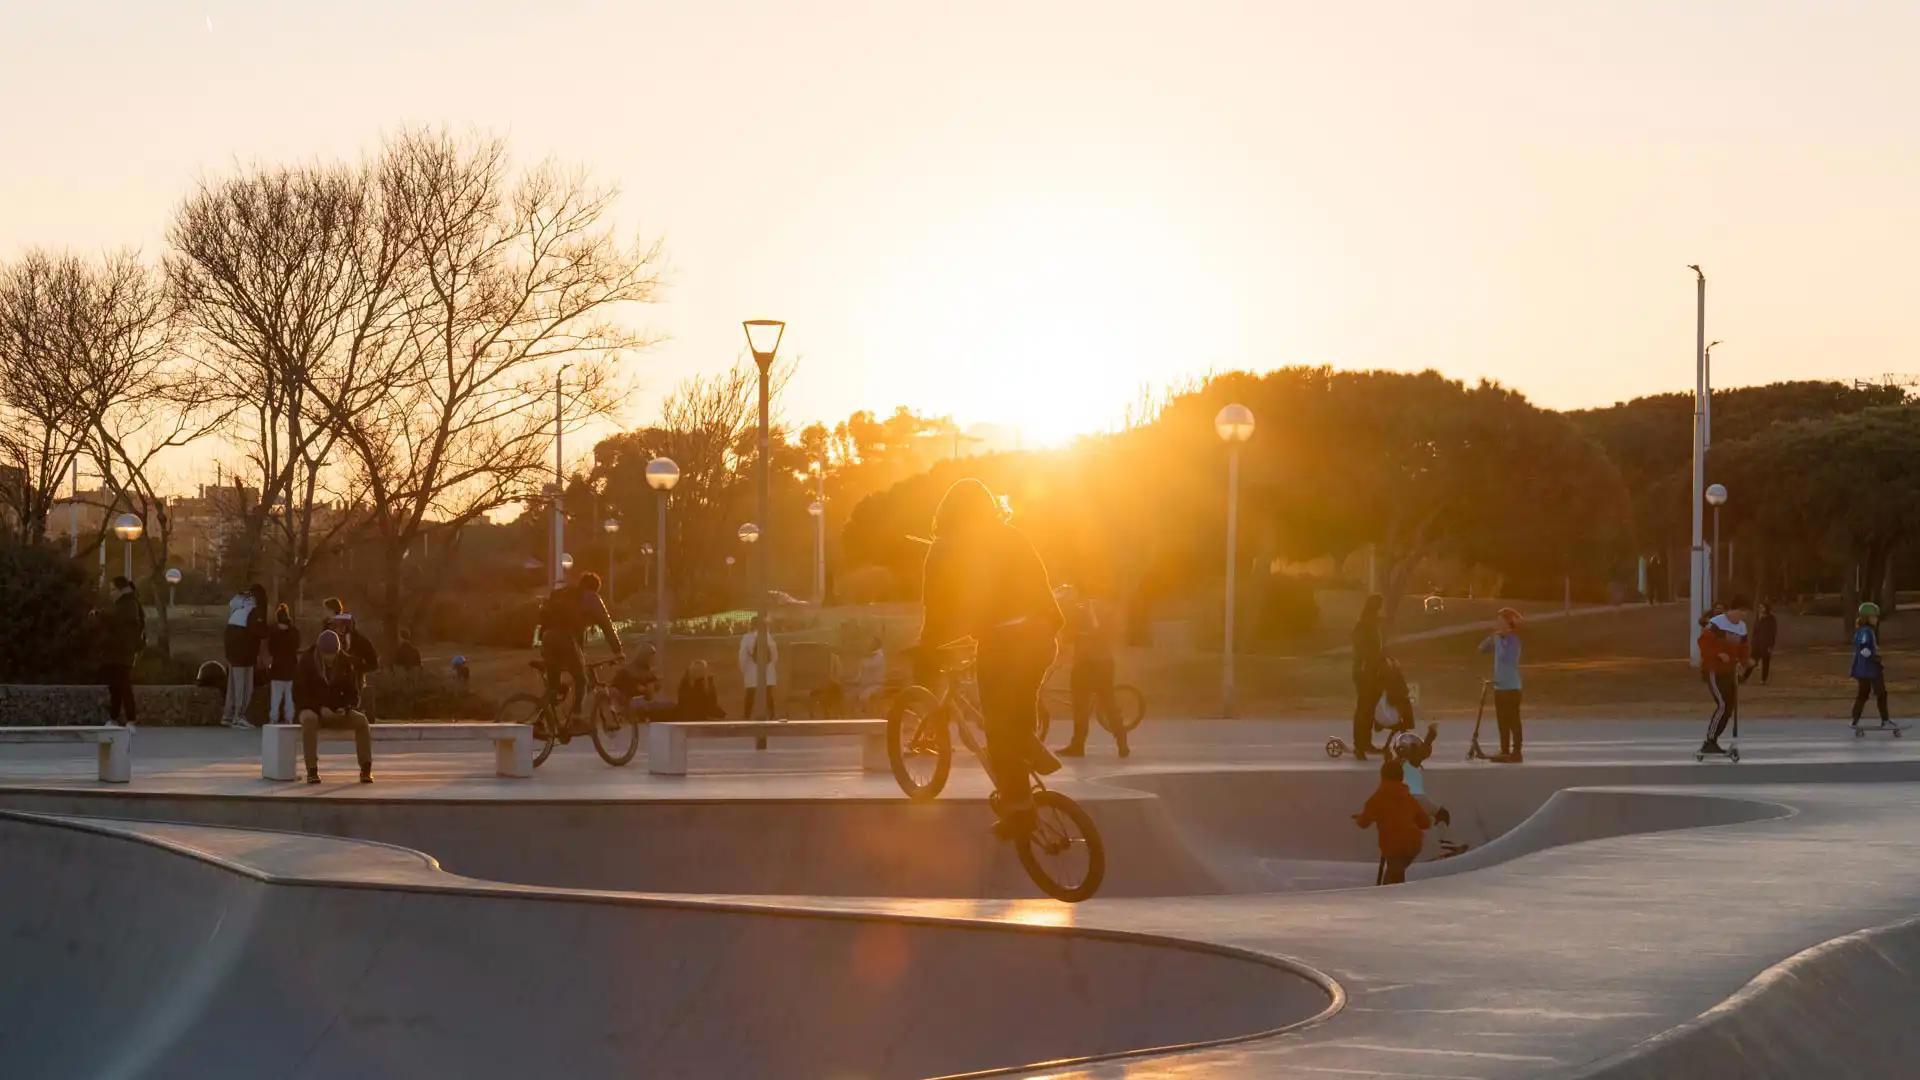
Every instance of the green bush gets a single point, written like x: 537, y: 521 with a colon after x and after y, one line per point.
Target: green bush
x: 46, y: 635
x: 424, y: 695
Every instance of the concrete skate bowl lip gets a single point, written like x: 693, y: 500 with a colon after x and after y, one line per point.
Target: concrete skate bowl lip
x: 1242, y: 823
x: 1836, y: 1008
x: 1111, y: 994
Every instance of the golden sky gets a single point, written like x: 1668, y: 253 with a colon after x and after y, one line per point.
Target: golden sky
x: 1021, y: 212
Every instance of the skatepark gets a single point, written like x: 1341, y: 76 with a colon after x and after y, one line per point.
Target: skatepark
x: 1620, y: 910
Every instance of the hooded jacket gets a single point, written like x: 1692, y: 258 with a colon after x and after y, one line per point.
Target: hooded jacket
x: 246, y: 628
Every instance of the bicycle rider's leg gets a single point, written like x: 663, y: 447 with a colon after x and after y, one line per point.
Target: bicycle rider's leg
x: 1009, y: 671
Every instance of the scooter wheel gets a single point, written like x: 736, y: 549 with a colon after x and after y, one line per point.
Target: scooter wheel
x: 1699, y: 757
x: 1335, y: 748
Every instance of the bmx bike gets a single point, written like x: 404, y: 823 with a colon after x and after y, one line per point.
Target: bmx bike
x: 615, y: 735
x: 1062, y: 852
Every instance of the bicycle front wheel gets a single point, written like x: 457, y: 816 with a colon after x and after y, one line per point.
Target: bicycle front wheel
x: 531, y: 709
x: 1133, y: 706
x: 1062, y: 853
x: 615, y: 738
x: 919, y: 747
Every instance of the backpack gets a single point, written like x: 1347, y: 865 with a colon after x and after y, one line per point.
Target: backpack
x: 560, y: 617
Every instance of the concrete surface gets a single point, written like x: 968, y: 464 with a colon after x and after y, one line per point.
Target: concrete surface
x: 1617, y: 900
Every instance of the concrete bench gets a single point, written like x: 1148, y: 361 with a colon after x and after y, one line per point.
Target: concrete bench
x: 512, y: 743
x: 116, y: 745
x: 667, y: 741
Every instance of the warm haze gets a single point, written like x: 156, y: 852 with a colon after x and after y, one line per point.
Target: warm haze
x: 944, y: 202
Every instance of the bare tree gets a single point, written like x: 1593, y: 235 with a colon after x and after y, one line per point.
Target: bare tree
x: 73, y: 333
x: 504, y: 279
x: 288, y: 278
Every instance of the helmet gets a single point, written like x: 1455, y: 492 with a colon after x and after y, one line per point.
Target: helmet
x: 1870, y: 610
x: 1404, y: 743
x: 459, y: 661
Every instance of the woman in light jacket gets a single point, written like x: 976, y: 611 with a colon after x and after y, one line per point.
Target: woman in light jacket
x: 750, y: 670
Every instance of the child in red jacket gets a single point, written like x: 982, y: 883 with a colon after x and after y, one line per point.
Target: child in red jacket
x: 1401, y: 820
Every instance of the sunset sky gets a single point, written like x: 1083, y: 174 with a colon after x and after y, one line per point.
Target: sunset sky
x: 1020, y: 213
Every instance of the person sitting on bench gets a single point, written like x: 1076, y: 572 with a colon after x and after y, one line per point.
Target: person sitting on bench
x: 326, y: 693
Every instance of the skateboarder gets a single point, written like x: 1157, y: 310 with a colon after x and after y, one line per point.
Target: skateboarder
x: 1868, y: 671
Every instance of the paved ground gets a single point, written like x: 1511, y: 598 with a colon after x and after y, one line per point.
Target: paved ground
x: 1535, y: 966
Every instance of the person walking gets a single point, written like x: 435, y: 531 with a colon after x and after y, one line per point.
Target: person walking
x: 985, y: 581
x: 1504, y: 644
x: 123, y: 636
x: 326, y: 693
x: 1766, y: 631
x: 750, y: 671
x: 1369, y: 673
x: 246, y: 629
x: 1090, y: 679
x: 1869, y: 670
x: 1401, y: 820
x: 283, y: 656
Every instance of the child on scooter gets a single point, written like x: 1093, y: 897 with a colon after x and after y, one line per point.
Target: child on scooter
x: 1504, y: 644
x: 1401, y: 821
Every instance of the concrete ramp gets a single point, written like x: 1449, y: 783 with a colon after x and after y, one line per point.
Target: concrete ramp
x: 1842, y: 1008
x: 136, y: 950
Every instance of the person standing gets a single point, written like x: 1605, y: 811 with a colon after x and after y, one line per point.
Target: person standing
x: 1869, y: 671
x: 1766, y: 631
x: 123, y: 636
x: 1369, y: 673
x: 750, y: 669
x: 1091, y: 676
x: 246, y: 629
x: 1504, y: 644
x: 283, y: 656
x: 326, y: 693
x: 1723, y: 651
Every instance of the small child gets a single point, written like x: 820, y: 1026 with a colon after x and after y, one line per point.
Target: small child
x: 283, y: 646
x: 1504, y: 644
x: 1868, y: 671
x: 1401, y: 821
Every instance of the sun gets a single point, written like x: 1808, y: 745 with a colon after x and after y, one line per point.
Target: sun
x: 1047, y: 317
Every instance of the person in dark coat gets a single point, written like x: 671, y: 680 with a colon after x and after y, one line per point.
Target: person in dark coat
x: 326, y: 691
x: 698, y: 698
x: 406, y: 655
x: 283, y: 652
x: 123, y: 635
x: 1369, y: 673
x: 246, y: 630
x: 1766, y: 633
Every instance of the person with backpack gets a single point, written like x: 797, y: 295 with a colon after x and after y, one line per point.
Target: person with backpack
x: 123, y: 634
x: 1869, y: 671
x: 569, y: 612
x: 283, y: 654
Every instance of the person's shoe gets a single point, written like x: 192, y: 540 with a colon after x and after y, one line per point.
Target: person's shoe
x: 1441, y: 817
x: 243, y: 725
x: 1711, y: 747
x: 1071, y: 750
x: 313, y: 777
x: 1041, y: 760
x: 1014, y: 823
x: 366, y: 776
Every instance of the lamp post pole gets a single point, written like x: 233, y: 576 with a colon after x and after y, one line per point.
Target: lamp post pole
x: 763, y: 339
x: 1234, y: 424
x: 1696, y: 593
x: 559, y: 540
x: 612, y: 528
x: 662, y: 475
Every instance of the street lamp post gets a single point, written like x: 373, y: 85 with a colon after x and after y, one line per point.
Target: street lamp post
x: 818, y: 510
x: 612, y: 527
x: 173, y: 582
x: 763, y: 339
x: 662, y: 474
x: 1697, y: 559
x: 128, y: 528
x: 559, y: 540
x: 1234, y: 424
x: 1716, y: 497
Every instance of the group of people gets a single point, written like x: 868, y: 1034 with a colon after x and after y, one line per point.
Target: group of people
x: 320, y: 686
x: 1382, y: 698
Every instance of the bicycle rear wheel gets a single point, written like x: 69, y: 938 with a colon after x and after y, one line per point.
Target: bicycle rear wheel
x: 1062, y: 853
x: 918, y: 745
x: 531, y: 709
x: 615, y: 738
x: 1133, y: 706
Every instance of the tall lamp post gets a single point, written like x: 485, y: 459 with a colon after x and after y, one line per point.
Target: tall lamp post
x: 763, y: 338
x: 1716, y: 498
x: 662, y: 474
x: 818, y: 510
x: 612, y: 528
x: 128, y: 528
x: 558, y: 542
x: 1235, y: 426
x: 173, y: 582
x: 1697, y: 570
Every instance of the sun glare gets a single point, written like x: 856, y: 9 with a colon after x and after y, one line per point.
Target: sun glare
x: 1047, y: 317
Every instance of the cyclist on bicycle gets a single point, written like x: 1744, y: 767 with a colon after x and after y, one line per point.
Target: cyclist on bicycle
x: 984, y: 580
x: 564, y: 620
